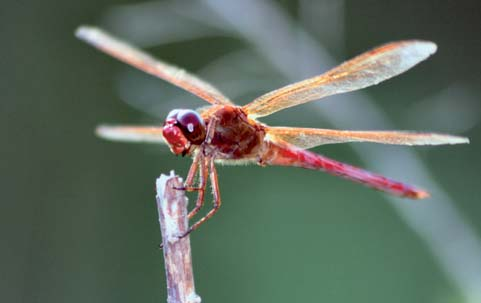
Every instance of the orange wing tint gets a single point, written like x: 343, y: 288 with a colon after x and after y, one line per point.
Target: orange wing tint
x: 141, y: 134
x: 364, y: 70
x: 311, y: 137
x: 147, y: 63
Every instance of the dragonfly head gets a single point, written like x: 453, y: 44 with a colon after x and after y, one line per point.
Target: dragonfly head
x: 182, y: 129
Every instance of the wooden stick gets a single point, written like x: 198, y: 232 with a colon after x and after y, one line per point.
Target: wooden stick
x: 172, y: 208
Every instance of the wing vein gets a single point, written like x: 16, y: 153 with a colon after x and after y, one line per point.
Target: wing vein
x: 365, y: 70
x: 147, y: 63
x: 312, y: 137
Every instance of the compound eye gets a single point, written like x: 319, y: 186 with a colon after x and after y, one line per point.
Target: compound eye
x: 173, y: 114
x: 192, y: 125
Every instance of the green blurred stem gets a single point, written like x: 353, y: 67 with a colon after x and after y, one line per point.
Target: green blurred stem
x: 172, y: 209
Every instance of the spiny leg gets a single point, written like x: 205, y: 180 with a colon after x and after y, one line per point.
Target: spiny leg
x: 211, y: 129
x: 217, y: 200
x: 189, y: 181
x: 204, y: 170
x: 199, y: 160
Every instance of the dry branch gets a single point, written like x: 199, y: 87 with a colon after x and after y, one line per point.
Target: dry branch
x: 172, y: 208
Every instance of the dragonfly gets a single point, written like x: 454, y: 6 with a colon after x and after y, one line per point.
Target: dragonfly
x: 226, y: 133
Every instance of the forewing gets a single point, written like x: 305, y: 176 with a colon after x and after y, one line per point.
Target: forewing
x: 147, y: 63
x: 362, y: 71
x: 140, y: 134
x: 311, y: 137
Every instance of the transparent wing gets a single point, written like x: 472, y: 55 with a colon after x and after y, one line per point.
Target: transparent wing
x: 147, y: 63
x: 362, y: 71
x: 141, y: 134
x: 311, y: 137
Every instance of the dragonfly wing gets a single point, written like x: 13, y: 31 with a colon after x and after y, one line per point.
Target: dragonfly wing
x: 311, y: 137
x: 147, y: 63
x: 362, y: 71
x: 140, y: 134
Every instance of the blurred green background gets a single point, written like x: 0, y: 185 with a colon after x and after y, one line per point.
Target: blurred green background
x: 78, y: 215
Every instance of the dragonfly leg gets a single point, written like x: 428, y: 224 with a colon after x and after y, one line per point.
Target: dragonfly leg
x: 217, y: 200
x: 204, y: 170
x: 211, y: 129
x: 189, y: 181
x: 199, y: 161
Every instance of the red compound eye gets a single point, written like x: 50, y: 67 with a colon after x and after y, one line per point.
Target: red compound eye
x: 173, y: 114
x: 192, y: 126
x: 190, y: 123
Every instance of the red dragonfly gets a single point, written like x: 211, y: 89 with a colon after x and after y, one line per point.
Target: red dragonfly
x: 230, y: 134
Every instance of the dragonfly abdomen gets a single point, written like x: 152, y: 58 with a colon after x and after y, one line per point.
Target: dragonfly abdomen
x: 289, y: 155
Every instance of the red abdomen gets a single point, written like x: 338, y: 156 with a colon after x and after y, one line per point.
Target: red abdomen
x: 289, y: 155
